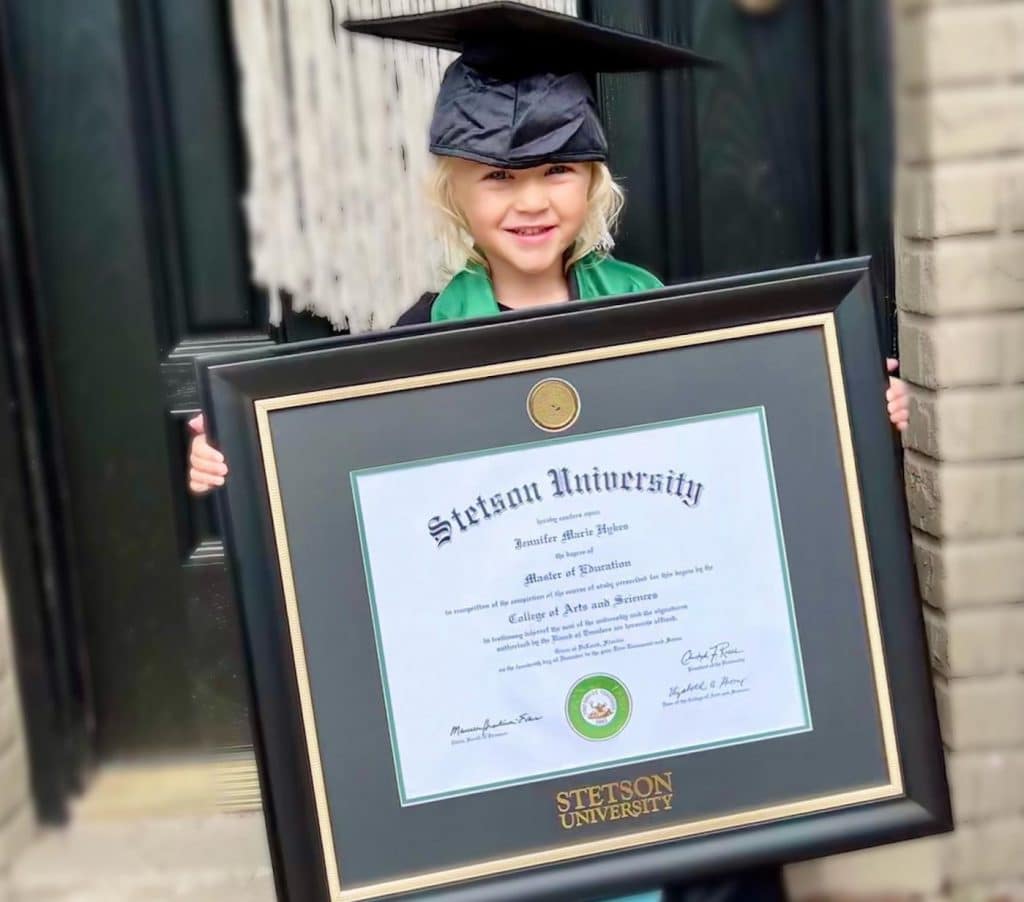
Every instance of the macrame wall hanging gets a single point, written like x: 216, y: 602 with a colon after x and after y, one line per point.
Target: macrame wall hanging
x: 336, y: 137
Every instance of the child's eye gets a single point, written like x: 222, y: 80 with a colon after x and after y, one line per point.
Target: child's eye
x: 559, y: 169
x: 498, y: 175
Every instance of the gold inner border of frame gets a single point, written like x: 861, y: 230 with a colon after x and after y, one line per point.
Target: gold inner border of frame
x: 894, y: 786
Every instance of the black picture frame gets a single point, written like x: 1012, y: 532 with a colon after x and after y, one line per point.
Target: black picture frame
x: 834, y: 298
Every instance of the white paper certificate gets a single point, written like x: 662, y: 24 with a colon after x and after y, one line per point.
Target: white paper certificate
x: 580, y: 602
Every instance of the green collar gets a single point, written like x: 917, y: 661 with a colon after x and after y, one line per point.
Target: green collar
x: 470, y: 293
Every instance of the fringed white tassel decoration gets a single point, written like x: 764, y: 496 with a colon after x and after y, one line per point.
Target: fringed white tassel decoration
x: 336, y: 133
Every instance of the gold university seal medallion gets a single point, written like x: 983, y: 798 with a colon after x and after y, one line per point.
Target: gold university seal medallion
x: 553, y: 405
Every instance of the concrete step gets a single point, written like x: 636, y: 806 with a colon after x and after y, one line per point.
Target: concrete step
x: 205, y: 858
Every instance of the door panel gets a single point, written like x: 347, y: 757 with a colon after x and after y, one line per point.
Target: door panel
x: 780, y: 155
x: 722, y: 167
x: 758, y: 123
x: 133, y: 181
x: 185, y: 92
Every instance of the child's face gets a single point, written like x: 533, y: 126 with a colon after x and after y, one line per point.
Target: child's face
x: 524, y: 218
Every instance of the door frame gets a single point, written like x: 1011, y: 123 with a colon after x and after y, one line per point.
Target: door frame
x: 49, y: 649
x: 36, y: 539
x: 172, y: 180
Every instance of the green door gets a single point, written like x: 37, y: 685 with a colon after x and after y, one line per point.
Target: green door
x: 127, y: 165
x: 780, y: 156
x: 125, y: 159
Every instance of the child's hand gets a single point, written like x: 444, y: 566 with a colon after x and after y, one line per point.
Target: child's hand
x: 207, y: 468
x: 898, y: 397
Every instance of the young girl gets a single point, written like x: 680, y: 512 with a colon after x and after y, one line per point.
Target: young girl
x: 527, y: 202
x: 529, y: 237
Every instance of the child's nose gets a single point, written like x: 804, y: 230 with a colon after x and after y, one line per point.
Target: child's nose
x: 532, y: 197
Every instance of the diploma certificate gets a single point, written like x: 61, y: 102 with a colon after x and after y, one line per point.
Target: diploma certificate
x: 580, y: 602
x: 603, y: 577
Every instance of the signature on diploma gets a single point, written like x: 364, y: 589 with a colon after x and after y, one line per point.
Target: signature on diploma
x: 490, y: 728
x: 717, y: 655
x: 722, y: 686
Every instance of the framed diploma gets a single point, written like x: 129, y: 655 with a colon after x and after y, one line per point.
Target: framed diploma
x: 568, y: 604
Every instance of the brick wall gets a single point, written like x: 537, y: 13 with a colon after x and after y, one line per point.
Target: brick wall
x: 960, y: 110
x: 960, y: 290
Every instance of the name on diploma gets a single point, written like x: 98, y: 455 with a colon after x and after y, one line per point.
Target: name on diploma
x: 570, y: 535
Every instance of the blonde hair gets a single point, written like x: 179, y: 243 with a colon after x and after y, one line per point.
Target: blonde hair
x: 605, y: 200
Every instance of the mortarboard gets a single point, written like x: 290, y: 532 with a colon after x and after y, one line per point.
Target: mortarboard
x: 520, y: 92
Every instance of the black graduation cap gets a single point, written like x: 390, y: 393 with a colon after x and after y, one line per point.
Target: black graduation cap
x: 520, y: 93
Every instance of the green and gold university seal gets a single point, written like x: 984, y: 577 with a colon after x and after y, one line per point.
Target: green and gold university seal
x: 598, y: 707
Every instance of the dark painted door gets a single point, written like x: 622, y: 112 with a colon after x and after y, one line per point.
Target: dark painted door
x: 125, y: 156
x: 129, y: 164
x: 782, y: 155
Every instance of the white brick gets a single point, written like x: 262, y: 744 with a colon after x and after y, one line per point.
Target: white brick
x: 952, y: 45
x: 1006, y: 285
x: 953, y: 500
x: 910, y: 59
x: 967, y: 424
x: 1012, y: 478
x: 1011, y: 197
x: 1015, y: 644
x: 1013, y: 349
x: 918, y: 6
x: 961, y: 123
x: 964, y: 500
x: 989, y: 851
x: 16, y: 815
x: 923, y: 479
x: 953, y: 200
x: 931, y: 569
x: 902, y: 868
x: 1013, y: 499
x: 912, y: 131
x: 1017, y: 48
x: 940, y: 352
x: 961, y: 574
x: 961, y: 275
x: 985, y: 784
x: 996, y: 891
x: 10, y: 715
x: 15, y: 834
x: 5, y: 651
x: 969, y: 643
x: 14, y: 779
x: 981, y: 713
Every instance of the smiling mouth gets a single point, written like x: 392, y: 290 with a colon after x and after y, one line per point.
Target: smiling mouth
x: 531, y: 231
